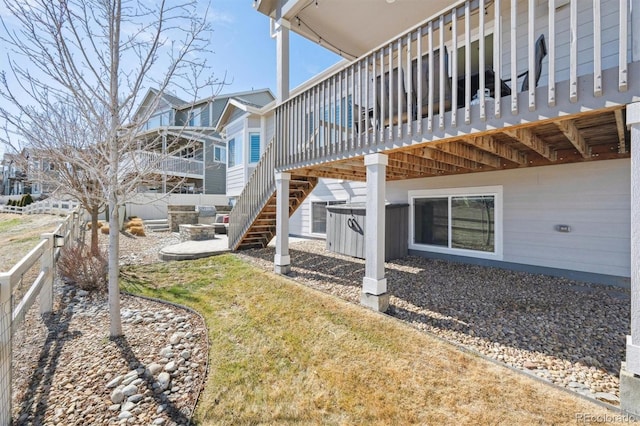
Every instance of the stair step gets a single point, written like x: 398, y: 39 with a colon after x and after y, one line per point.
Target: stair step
x: 155, y: 221
x: 157, y: 225
x: 262, y: 230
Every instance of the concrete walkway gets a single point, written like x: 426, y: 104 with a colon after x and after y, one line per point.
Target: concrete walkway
x: 189, y: 250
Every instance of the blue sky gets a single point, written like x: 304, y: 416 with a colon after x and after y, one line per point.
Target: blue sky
x: 244, y: 49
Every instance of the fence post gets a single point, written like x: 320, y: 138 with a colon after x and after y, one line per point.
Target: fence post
x: 46, y: 264
x: 74, y: 227
x: 5, y: 350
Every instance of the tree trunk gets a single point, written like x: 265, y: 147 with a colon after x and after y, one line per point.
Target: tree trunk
x: 115, y: 328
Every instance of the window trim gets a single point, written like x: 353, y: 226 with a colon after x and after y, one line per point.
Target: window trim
x: 249, y: 147
x: 495, y: 191
x: 195, y: 114
x: 326, y: 204
x: 222, y: 157
x: 231, y: 152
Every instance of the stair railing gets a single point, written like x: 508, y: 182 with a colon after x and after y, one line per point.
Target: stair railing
x: 259, y: 188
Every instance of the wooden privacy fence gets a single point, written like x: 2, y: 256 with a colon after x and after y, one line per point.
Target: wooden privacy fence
x: 12, y: 312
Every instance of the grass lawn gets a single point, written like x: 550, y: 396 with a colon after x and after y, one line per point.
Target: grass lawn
x: 285, y: 354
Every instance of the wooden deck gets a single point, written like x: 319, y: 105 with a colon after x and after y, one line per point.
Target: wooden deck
x: 430, y: 104
x: 592, y: 136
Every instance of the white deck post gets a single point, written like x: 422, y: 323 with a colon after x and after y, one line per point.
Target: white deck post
x: 374, y: 284
x: 630, y: 371
x: 282, y: 261
x: 282, y: 55
x: 635, y: 29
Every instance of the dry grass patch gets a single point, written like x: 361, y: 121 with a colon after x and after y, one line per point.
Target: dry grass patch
x: 22, y: 233
x: 282, y: 353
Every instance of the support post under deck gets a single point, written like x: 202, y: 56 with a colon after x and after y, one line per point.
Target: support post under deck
x: 630, y: 371
x: 282, y: 261
x: 374, y: 284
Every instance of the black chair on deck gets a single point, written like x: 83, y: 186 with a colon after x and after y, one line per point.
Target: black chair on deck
x: 540, y: 52
x: 424, y: 78
x: 385, y: 90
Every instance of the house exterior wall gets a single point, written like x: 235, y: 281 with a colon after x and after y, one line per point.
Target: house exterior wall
x: 269, y: 127
x: 239, y: 129
x: 325, y: 190
x: 593, y: 198
x: 236, y: 175
x: 215, y: 174
x: 235, y: 181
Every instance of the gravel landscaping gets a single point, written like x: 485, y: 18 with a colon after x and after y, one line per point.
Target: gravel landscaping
x: 67, y: 371
x: 567, y: 332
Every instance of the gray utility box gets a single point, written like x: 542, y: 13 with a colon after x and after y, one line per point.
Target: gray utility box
x: 346, y: 230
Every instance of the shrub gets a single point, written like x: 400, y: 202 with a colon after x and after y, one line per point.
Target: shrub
x: 133, y: 222
x: 76, y: 266
x: 98, y: 225
x: 136, y: 230
x: 105, y: 229
x: 26, y: 200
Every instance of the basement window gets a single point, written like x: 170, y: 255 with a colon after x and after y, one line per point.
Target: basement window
x: 319, y: 215
x: 462, y: 221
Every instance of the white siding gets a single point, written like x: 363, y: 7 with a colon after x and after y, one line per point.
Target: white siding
x: 235, y: 180
x: 270, y: 127
x: 326, y: 190
x: 592, y: 198
x: 253, y: 122
x: 236, y: 175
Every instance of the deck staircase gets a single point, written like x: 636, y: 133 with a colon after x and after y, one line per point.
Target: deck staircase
x: 252, y: 221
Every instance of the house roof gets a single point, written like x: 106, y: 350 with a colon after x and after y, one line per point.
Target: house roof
x: 253, y: 99
x: 169, y: 100
x: 239, y: 104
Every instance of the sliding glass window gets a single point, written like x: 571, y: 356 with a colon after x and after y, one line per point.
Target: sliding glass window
x: 457, y: 222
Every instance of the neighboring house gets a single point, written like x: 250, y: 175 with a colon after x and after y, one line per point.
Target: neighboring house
x: 509, y: 127
x: 194, y: 153
x: 26, y: 173
x: 246, y: 123
x: 13, y: 177
x: 41, y: 174
x: 180, y: 145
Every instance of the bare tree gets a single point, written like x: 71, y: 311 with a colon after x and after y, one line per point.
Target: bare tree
x: 67, y: 158
x: 97, y: 58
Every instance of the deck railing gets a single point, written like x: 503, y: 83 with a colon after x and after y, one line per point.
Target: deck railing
x: 156, y: 162
x: 464, y: 66
x: 40, y: 286
x: 259, y: 188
